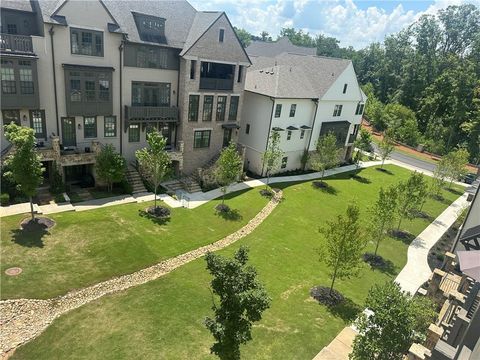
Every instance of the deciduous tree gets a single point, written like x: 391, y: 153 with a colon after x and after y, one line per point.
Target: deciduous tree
x: 272, y: 156
x: 382, y: 214
x: 109, y: 166
x: 228, y: 167
x: 385, y: 148
x: 326, y: 155
x: 409, y: 198
x: 243, y: 300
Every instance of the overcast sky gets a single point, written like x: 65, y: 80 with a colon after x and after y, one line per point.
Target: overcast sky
x: 353, y: 22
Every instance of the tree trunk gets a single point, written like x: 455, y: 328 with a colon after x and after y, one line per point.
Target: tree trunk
x: 223, y: 195
x: 321, y: 178
x: 155, y: 198
x: 383, y: 161
x: 399, y: 223
x: 31, y: 208
x: 450, y: 185
x: 378, y: 241
x: 268, y: 180
x: 333, y: 280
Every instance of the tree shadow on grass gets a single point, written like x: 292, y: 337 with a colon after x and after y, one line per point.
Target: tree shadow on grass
x: 402, y: 235
x: 379, y: 263
x: 156, y: 220
x: 347, y: 310
x: 361, y: 179
x: 31, y: 234
x: 230, y: 215
x: 423, y: 215
x: 454, y: 191
x: 324, y: 187
x: 385, y: 171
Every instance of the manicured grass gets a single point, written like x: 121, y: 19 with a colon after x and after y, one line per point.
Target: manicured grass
x: 164, y: 318
x: 87, y: 247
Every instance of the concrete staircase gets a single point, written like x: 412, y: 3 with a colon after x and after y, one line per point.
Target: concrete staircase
x: 134, y: 179
x: 190, y: 184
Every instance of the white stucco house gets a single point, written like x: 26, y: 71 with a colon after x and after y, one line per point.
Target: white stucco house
x: 302, y: 97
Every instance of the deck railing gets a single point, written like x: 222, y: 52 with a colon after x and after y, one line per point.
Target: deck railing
x: 16, y: 43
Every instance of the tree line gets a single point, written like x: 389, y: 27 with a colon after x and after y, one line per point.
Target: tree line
x: 423, y: 82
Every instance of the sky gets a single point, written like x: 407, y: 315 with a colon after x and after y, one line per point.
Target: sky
x: 355, y: 23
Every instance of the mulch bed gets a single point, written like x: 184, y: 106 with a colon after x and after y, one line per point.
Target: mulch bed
x: 158, y: 212
x: 320, y: 184
x: 322, y: 295
x: 222, y: 208
x: 28, y: 224
x: 266, y: 193
x: 374, y: 260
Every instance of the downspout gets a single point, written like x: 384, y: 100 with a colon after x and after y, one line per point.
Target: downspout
x: 178, y: 107
x: 120, y: 50
x: 51, y: 32
x: 313, y: 125
x: 269, y: 128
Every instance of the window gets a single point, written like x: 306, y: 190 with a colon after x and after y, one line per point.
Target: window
x: 37, y: 123
x: 247, y: 129
x: 150, y: 94
x: 193, y: 107
x: 110, y: 126
x: 90, y: 127
x: 221, y: 35
x: 289, y: 134
x: 278, y: 110
x: 12, y: 28
x: 193, y: 65
x: 8, y: 79
x: 149, y: 57
x: 293, y: 108
x: 201, y: 139
x: 232, y: 113
x: 86, y: 42
x: 359, y: 110
x: 134, y: 133
x: 11, y: 116
x: 227, y: 137
x: 284, y: 162
x: 90, y: 90
x: 337, y: 111
x: 302, y: 134
x: 104, y: 86
x: 240, y: 73
x: 221, y: 103
x: 88, y: 86
x: 345, y: 88
x: 207, y: 108
x: 75, y: 90
x: 150, y: 28
x: 26, y: 81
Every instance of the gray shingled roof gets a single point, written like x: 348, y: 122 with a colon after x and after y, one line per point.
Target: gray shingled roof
x: 203, y: 20
x: 275, y: 48
x: 296, y: 76
x: 22, y: 5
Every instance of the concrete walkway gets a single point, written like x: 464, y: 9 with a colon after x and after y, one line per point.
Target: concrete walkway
x: 417, y: 271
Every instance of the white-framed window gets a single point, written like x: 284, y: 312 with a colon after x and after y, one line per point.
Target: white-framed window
x: 359, y: 110
x: 284, y: 162
x: 289, y: 134
x: 302, y: 134
x: 221, y: 35
x: 337, y: 111
x: 110, y: 126
x: 293, y: 108
x: 345, y: 88
x: 134, y: 133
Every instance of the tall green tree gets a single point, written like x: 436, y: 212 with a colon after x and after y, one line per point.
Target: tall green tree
x: 374, y: 108
x: 243, y: 299
x: 344, y: 243
x: 385, y: 148
x: 382, y: 214
x: 298, y: 37
x: 24, y: 165
x: 109, y: 166
x: 326, y: 154
x: 363, y: 142
x: 228, y: 167
x: 409, y: 198
x: 154, y: 161
x: 456, y: 164
x: 272, y: 155
x: 244, y: 36
x: 401, y: 123
x: 394, y: 324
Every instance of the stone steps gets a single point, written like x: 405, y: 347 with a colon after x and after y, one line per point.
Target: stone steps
x: 134, y: 179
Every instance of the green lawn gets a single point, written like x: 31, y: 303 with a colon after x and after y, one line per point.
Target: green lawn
x: 87, y: 247
x: 164, y: 318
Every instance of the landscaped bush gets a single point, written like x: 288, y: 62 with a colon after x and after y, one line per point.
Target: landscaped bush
x: 4, y: 199
x: 266, y: 192
x: 293, y: 172
x: 440, y: 257
x: 59, y: 198
x: 125, y: 186
x: 374, y: 260
x: 159, y: 212
x: 57, y: 186
x: 222, y: 208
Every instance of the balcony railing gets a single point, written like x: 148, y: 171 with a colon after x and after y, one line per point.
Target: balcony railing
x: 16, y: 43
x: 151, y: 113
x: 216, y: 84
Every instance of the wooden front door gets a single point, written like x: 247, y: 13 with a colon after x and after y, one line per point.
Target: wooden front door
x: 68, y: 132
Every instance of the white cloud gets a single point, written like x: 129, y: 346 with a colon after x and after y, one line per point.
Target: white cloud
x: 342, y: 19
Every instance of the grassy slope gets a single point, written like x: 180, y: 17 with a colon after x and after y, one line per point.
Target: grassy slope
x: 163, y: 319
x: 87, y: 247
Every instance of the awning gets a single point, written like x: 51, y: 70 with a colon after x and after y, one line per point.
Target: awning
x: 292, y: 128
x: 305, y: 127
x: 277, y: 129
x: 470, y: 263
x: 231, y: 126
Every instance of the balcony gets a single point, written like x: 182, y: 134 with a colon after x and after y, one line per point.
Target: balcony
x: 16, y: 43
x: 215, y: 76
x: 151, y: 113
x: 216, y: 84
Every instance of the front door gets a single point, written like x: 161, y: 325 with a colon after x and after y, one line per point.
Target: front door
x: 227, y: 137
x: 68, y: 132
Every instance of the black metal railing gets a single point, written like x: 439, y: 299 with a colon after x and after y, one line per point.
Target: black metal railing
x: 151, y: 113
x: 16, y: 43
x: 216, y: 84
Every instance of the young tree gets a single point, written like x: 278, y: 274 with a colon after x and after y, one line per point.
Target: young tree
x: 385, y: 148
x: 456, y: 162
x: 438, y: 180
x: 272, y: 156
x: 228, y: 167
x: 154, y: 161
x: 109, y: 166
x: 345, y: 242
x: 382, y: 214
x: 243, y: 299
x: 363, y: 143
x: 397, y: 320
x: 25, y: 167
x: 326, y: 155
x: 409, y: 197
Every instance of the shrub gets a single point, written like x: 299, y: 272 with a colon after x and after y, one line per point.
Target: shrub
x: 57, y: 185
x: 125, y: 186
x: 159, y: 211
x: 222, y: 208
x: 440, y: 257
x: 59, y: 198
x: 4, y: 199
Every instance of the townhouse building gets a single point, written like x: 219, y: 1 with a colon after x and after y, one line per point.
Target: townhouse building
x: 85, y: 73
x: 302, y: 97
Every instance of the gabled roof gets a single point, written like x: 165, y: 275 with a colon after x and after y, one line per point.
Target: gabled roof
x: 275, y: 48
x: 201, y: 23
x: 20, y: 5
x: 296, y: 76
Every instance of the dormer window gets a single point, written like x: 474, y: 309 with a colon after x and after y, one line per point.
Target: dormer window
x: 221, y: 35
x: 345, y: 88
x: 150, y: 28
